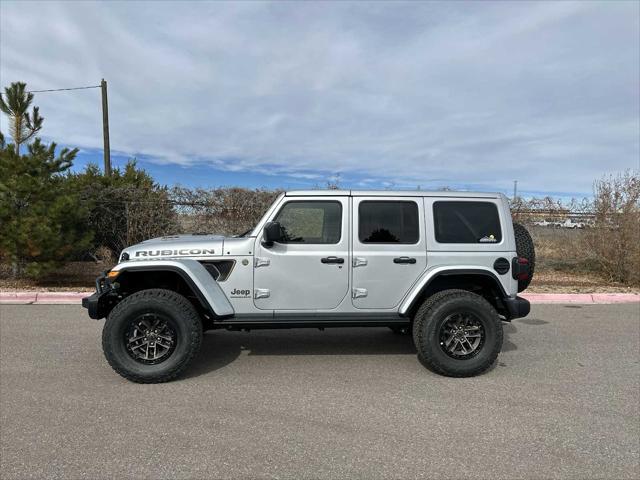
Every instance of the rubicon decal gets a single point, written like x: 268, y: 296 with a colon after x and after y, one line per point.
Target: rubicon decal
x: 184, y: 251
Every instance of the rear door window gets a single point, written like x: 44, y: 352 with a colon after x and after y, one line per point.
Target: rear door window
x: 388, y: 222
x: 466, y: 222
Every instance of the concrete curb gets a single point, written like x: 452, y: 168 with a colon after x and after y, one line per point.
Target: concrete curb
x: 75, y: 298
x: 585, y: 298
x: 600, y: 298
x: 43, y: 298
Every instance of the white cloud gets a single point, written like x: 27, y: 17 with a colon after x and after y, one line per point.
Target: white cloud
x: 462, y: 93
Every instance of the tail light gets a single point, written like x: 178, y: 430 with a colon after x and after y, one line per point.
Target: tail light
x: 521, y: 268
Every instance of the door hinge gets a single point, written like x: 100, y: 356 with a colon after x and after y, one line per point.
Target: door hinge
x: 261, y: 262
x: 359, y: 262
x: 261, y: 293
x: 359, y: 293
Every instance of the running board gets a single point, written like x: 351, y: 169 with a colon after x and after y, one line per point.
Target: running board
x: 313, y: 320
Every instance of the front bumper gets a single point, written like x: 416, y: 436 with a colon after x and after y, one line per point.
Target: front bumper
x: 517, y: 307
x: 100, y: 303
x: 93, y: 305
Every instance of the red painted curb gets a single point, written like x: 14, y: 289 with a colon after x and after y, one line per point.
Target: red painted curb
x: 75, y: 298
x: 42, y: 298
x: 599, y: 298
x: 558, y: 297
x: 616, y: 297
x: 17, y: 297
x: 64, y: 298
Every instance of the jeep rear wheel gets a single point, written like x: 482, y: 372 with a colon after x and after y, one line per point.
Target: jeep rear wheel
x: 457, y: 333
x: 151, y: 336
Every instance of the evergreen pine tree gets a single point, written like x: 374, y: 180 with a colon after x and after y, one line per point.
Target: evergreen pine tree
x: 15, y: 104
x: 42, y: 220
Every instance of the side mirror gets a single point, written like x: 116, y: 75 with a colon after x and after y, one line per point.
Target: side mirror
x: 272, y: 233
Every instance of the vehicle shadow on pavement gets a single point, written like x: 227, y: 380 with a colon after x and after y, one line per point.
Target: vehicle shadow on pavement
x: 220, y: 348
x: 507, y: 345
x: 510, y: 329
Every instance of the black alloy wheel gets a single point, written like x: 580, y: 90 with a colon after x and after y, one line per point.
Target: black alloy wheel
x: 150, y: 339
x: 462, y: 335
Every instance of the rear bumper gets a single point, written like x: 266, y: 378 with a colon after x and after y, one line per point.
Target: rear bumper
x: 517, y: 307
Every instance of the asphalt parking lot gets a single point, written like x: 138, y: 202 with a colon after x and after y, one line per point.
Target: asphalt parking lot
x: 562, y: 401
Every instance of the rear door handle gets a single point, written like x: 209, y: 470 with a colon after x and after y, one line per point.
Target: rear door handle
x: 332, y: 260
x: 404, y: 260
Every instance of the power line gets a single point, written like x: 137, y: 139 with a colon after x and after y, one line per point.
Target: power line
x: 105, y: 116
x: 60, y: 89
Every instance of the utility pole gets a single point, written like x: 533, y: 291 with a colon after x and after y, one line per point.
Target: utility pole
x: 515, y: 189
x: 105, y: 129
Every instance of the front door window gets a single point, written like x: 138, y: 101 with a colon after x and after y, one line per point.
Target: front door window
x: 311, y: 222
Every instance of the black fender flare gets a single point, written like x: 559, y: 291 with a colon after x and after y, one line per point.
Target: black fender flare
x: 410, y: 300
x: 197, y: 278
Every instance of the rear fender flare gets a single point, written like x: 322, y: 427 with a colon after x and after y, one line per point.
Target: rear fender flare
x: 430, y: 275
x: 194, y: 274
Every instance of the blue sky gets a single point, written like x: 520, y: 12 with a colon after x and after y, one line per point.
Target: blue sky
x: 204, y: 175
x: 469, y: 95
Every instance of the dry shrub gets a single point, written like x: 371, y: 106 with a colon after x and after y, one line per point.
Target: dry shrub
x: 534, y: 209
x: 123, y: 216
x: 225, y: 211
x: 104, y: 255
x: 613, y: 241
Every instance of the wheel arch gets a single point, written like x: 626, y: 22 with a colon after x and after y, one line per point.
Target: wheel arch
x: 187, y: 277
x: 481, y: 281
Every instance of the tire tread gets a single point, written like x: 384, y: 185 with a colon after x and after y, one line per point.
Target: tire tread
x: 425, y: 314
x: 187, y: 313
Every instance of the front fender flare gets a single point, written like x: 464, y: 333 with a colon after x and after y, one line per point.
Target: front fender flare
x: 428, y: 276
x: 194, y: 274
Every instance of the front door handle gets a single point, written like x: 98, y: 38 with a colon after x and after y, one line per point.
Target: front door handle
x: 404, y: 260
x: 332, y: 260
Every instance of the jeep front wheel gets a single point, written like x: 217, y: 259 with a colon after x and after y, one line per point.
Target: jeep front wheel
x: 151, y: 336
x: 457, y: 333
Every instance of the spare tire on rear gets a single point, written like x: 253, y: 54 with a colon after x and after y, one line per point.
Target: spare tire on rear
x: 525, y: 249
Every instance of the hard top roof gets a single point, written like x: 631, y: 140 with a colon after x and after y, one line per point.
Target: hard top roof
x: 390, y: 193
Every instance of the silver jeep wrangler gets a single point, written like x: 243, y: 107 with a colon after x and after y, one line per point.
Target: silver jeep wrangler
x: 443, y: 266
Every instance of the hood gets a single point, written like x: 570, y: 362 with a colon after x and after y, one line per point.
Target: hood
x: 176, y: 246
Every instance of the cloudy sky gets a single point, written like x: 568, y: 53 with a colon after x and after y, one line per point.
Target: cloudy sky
x: 467, y: 95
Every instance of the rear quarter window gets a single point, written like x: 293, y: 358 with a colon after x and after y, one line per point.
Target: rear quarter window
x: 466, y: 222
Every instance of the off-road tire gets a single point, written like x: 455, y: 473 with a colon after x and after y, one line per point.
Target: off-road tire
x: 426, y: 333
x: 185, y: 320
x: 525, y: 249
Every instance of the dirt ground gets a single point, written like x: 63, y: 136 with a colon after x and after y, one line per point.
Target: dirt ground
x: 80, y: 276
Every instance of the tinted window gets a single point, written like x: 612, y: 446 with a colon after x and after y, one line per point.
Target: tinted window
x: 466, y: 222
x: 388, y: 222
x: 311, y: 222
